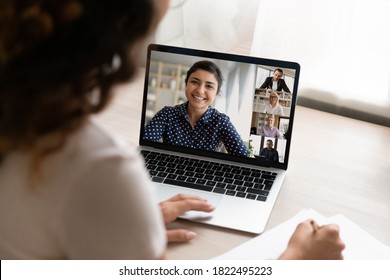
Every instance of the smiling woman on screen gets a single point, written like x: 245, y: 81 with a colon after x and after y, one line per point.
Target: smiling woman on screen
x: 195, y: 124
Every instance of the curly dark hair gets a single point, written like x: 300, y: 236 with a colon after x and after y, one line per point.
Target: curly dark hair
x: 53, y: 55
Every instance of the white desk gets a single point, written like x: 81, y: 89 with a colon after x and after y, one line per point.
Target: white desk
x: 337, y: 165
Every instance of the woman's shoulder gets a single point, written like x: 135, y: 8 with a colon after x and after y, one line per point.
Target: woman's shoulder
x: 172, y: 110
x: 213, y: 112
x: 93, y: 140
x: 219, y: 117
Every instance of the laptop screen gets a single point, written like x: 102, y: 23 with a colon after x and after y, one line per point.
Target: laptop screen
x: 219, y: 105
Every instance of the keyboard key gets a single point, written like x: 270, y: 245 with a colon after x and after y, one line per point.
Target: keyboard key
x: 172, y: 176
x: 236, y: 170
x: 221, y: 185
x: 180, y: 172
x: 228, y: 180
x: 200, y: 170
x: 227, y: 169
x: 190, y: 168
x: 151, y: 167
x: 188, y: 185
x: 266, y: 188
x: 230, y: 187
x: 162, y: 174
x: 241, y: 194
x: 219, y: 190
x: 157, y: 179
x: 181, y: 178
x: 248, y: 178
x: 218, y: 179
x: 215, y: 167
x: 246, y: 172
x: 211, y: 183
x: 241, y: 189
x: 259, y: 186
x: 191, y: 179
x: 201, y: 181
x: 189, y: 173
x: 238, y: 182
x: 198, y: 164
x: 170, y: 170
x: 258, y: 180
x: 268, y: 177
x: 180, y: 167
x: 229, y: 192
x: 268, y: 183
x: 256, y: 191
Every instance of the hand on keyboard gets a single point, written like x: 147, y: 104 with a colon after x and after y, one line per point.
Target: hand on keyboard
x: 176, y: 206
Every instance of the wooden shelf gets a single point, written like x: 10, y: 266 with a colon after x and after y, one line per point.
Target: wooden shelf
x: 166, y: 82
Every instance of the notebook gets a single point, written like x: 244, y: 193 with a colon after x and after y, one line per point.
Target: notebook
x: 236, y: 155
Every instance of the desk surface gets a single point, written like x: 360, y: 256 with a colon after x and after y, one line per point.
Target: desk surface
x: 337, y: 165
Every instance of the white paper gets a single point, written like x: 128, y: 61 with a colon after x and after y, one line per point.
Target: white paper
x: 270, y: 244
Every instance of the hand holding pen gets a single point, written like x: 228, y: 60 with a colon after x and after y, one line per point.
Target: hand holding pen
x: 311, y: 242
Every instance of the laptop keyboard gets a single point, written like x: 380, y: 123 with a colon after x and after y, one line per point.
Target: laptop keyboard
x: 209, y: 176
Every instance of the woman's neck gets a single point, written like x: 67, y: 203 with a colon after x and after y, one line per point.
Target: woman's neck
x: 194, y: 115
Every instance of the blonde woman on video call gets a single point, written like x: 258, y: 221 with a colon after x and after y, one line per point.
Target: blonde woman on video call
x: 70, y: 189
x: 273, y: 107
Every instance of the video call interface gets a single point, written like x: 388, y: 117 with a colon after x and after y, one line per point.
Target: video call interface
x: 258, y: 100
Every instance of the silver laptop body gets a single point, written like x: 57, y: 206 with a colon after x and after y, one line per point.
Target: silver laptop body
x: 246, y: 187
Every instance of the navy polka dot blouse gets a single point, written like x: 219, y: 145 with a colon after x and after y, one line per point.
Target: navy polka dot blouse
x: 212, y: 131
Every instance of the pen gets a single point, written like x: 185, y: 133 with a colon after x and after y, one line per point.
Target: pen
x: 314, y: 225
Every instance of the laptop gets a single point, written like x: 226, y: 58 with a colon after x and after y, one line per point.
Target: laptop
x: 242, y: 187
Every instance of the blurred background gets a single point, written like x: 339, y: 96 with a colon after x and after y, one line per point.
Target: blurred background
x: 343, y: 46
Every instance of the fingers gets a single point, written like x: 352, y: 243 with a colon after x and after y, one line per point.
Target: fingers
x: 177, y: 205
x: 179, y: 197
x: 172, y: 210
x: 311, y: 241
x: 180, y: 235
x: 331, y: 229
x: 311, y: 225
x: 308, y: 226
x: 314, y: 226
x: 191, y: 204
x: 332, y: 232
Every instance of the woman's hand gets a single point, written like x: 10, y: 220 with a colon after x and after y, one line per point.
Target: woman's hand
x: 177, y: 205
x: 312, y: 242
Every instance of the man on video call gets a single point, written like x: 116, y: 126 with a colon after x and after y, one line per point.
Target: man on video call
x: 276, y: 82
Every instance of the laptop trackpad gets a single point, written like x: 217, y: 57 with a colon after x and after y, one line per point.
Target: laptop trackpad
x: 164, y: 192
